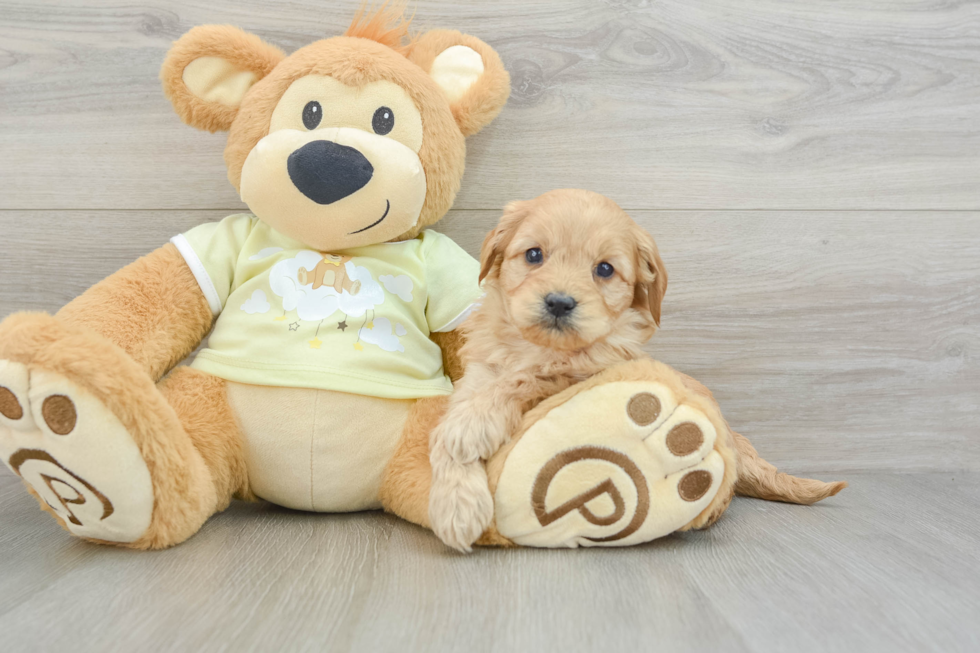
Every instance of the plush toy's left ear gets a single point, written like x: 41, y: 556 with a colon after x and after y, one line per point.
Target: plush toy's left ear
x: 468, y: 71
x: 209, y: 70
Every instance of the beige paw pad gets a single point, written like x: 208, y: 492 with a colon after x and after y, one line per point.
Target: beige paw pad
x: 75, y: 454
x: 603, y: 498
x: 618, y: 464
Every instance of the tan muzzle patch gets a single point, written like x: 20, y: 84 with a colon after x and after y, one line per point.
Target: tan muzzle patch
x: 295, y: 182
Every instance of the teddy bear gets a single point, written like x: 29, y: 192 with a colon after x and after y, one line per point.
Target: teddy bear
x: 333, y: 313
x: 330, y: 271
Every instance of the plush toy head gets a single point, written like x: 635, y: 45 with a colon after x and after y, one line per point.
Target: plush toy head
x: 348, y: 141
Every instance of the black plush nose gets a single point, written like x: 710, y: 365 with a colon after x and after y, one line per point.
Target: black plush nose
x: 326, y: 171
x: 559, y: 304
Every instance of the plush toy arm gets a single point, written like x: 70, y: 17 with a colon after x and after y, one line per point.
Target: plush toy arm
x: 153, y: 309
x: 451, y: 342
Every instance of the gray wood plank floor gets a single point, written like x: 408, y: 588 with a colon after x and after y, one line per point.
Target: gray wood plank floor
x: 811, y: 171
x: 890, y: 565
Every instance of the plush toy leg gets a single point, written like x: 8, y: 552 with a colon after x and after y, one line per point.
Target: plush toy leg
x: 628, y: 456
x: 405, y: 487
x: 98, y: 444
x: 201, y: 404
x: 635, y: 453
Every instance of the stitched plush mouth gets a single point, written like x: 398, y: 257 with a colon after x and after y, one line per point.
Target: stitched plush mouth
x: 374, y: 224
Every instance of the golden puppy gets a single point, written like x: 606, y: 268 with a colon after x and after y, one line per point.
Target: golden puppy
x: 573, y: 287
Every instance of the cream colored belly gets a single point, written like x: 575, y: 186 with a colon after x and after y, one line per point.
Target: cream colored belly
x: 317, y: 450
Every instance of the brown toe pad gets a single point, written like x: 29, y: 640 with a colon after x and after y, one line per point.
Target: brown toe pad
x: 684, y: 439
x: 9, y: 406
x: 643, y: 408
x: 694, y: 484
x: 59, y: 414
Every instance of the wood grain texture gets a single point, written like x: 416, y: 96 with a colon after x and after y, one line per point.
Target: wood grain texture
x: 889, y: 565
x: 834, y: 341
x: 670, y: 104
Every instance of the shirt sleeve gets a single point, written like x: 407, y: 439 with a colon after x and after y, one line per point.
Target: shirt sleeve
x: 452, y: 280
x: 211, y: 251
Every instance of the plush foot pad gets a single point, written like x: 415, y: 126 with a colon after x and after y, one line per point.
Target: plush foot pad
x: 619, y: 464
x: 75, y: 454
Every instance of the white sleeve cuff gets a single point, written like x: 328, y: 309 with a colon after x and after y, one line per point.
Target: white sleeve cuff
x: 454, y: 323
x: 199, y: 272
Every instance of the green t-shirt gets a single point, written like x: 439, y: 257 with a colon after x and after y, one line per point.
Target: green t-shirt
x: 356, y: 320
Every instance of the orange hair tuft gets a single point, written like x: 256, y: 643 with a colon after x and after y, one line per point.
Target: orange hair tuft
x: 387, y: 25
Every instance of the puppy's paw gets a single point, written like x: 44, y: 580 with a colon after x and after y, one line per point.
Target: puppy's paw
x: 470, y: 437
x: 460, y: 505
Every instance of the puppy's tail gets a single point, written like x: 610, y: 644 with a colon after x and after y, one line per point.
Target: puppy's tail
x: 757, y: 478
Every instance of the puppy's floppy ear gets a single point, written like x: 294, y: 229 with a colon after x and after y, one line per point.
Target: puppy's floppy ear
x: 468, y: 71
x: 651, y: 278
x: 496, y: 242
x: 209, y: 70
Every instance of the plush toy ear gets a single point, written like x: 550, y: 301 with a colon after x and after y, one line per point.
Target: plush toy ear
x: 497, y: 240
x: 651, y: 278
x: 468, y: 71
x: 210, y: 69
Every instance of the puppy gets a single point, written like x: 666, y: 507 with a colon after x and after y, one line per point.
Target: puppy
x: 573, y: 286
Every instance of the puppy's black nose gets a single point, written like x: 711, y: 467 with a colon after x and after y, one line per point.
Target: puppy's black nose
x: 326, y: 171
x: 559, y: 304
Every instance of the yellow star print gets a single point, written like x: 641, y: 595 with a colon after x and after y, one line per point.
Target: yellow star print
x: 370, y: 325
x: 315, y: 343
x: 358, y: 346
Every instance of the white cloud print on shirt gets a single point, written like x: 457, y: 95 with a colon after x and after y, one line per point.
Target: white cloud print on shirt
x: 257, y: 303
x: 382, y: 336
x: 400, y: 285
x: 315, y: 305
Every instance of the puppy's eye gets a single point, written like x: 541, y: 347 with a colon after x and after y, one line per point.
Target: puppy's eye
x: 312, y: 114
x: 534, y: 255
x: 383, y: 121
x: 604, y: 270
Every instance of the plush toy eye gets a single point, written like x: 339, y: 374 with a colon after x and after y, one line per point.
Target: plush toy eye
x: 383, y: 121
x: 312, y: 114
x: 604, y: 270
x: 534, y: 255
